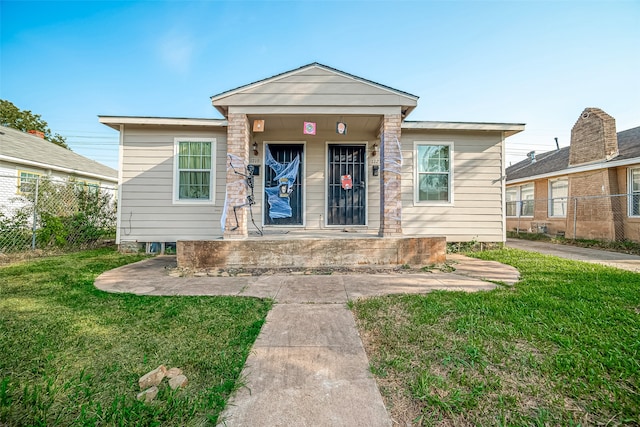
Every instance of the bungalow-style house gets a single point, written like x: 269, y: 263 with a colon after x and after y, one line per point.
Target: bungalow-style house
x: 26, y: 156
x: 312, y: 151
x: 589, y: 190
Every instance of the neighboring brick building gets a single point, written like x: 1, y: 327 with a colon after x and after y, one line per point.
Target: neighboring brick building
x: 590, y: 189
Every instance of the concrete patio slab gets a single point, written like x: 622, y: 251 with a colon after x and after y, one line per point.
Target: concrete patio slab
x: 262, y: 287
x: 312, y: 289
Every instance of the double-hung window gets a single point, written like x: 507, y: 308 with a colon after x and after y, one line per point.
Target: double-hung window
x: 194, y: 170
x: 634, y: 192
x: 520, y: 200
x: 512, y: 195
x: 558, y: 196
x: 27, y: 182
x: 434, y: 172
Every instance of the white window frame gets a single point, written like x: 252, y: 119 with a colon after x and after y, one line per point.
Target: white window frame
x: 550, y: 211
x: 416, y: 175
x: 631, y: 193
x: 519, y: 200
x: 176, y: 173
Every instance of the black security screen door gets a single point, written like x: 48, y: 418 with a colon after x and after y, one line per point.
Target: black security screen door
x: 285, y: 154
x: 346, y: 192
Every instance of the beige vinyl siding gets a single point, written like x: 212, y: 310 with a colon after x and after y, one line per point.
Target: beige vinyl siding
x: 315, y: 184
x: 146, y: 209
x: 315, y: 87
x: 476, y: 211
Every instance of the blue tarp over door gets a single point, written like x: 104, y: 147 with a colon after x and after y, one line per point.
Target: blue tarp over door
x: 283, y: 187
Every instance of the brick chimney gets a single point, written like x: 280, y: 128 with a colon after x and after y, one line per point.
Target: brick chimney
x: 36, y: 133
x: 593, y: 138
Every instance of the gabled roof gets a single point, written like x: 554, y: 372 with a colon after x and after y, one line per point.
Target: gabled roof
x: 296, y: 78
x: 26, y: 149
x: 303, y: 68
x: 554, y: 163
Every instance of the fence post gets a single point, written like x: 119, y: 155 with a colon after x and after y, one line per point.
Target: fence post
x: 35, y: 209
x: 575, y: 216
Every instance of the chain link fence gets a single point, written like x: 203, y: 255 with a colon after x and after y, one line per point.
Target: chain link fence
x: 607, y: 218
x: 42, y: 213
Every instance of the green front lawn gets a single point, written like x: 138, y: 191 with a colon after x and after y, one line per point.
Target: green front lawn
x: 561, y: 347
x: 72, y: 355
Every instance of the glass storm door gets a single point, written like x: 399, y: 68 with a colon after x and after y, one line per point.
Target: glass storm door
x: 346, y: 192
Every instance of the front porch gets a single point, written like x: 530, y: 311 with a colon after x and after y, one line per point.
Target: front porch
x: 302, y: 249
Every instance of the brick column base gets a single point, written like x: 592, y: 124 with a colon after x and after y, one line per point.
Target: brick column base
x: 390, y: 177
x: 236, y: 189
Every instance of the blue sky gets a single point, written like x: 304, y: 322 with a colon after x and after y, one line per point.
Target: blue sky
x: 534, y: 62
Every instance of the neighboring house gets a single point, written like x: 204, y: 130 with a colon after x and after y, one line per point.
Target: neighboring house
x: 590, y: 189
x: 331, y: 152
x: 24, y: 157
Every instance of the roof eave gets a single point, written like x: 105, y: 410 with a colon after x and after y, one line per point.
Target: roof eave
x: 577, y: 169
x: 508, y: 129
x: 115, y: 122
x: 57, y: 168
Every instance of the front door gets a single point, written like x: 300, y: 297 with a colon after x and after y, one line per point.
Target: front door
x: 346, y: 192
x: 283, y: 184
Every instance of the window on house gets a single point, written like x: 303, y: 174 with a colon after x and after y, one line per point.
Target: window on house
x: 520, y: 200
x: 88, y: 186
x: 512, y: 201
x: 27, y: 182
x: 634, y: 187
x: 526, y: 197
x: 194, y: 166
x: 433, y: 172
x: 558, y: 195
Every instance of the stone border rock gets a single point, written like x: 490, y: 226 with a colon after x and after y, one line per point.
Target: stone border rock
x: 150, y: 381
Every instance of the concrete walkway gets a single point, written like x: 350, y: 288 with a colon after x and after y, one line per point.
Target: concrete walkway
x: 597, y: 256
x: 308, y: 366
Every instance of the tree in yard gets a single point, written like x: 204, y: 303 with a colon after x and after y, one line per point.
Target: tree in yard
x: 24, y: 120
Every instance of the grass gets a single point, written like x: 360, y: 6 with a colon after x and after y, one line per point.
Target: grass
x: 71, y: 355
x: 561, y: 347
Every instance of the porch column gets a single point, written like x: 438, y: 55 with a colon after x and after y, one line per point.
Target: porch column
x: 390, y: 177
x: 238, y: 149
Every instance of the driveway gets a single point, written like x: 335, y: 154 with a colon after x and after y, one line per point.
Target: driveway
x: 597, y: 256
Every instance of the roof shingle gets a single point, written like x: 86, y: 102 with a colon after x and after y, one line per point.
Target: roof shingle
x: 21, y: 145
x: 558, y: 160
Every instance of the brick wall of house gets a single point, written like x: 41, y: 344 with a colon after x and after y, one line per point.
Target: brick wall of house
x: 631, y: 224
x: 555, y: 225
x: 597, y: 215
x: 593, y: 138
